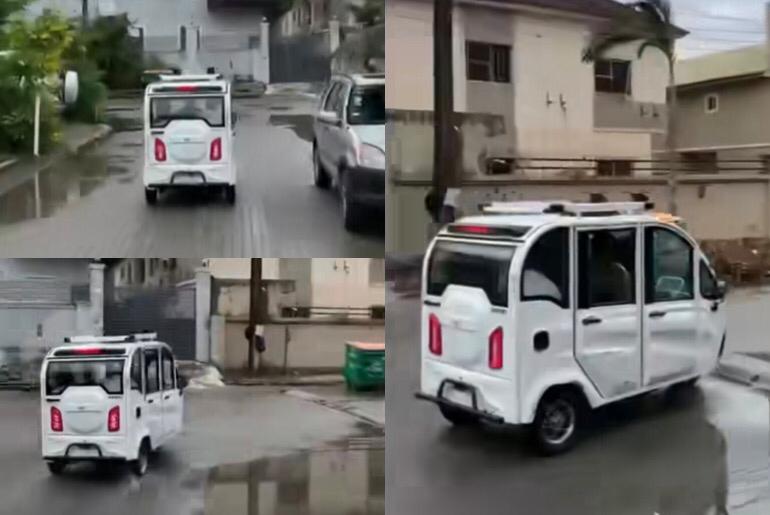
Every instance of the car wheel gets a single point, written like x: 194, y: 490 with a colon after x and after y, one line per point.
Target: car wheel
x: 151, y: 196
x: 320, y: 177
x: 558, y: 422
x: 140, y: 464
x: 458, y: 417
x: 56, y: 467
x: 230, y: 194
x: 351, y: 212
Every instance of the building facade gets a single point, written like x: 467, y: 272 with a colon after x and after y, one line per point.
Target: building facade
x: 315, y: 15
x: 231, y: 36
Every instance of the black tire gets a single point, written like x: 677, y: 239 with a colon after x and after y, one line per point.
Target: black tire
x: 230, y: 194
x: 151, y: 196
x: 351, y: 212
x: 320, y: 177
x: 457, y: 417
x: 56, y: 467
x: 140, y: 464
x: 558, y: 422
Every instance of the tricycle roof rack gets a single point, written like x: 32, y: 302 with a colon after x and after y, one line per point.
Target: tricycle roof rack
x: 568, y: 208
x: 136, y: 337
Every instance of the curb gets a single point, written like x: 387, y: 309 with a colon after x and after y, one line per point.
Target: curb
x: 318, y: 380
x: 101, y: 133
x: 8, y: 163
x: 338, y: 406
x: 745, y: 369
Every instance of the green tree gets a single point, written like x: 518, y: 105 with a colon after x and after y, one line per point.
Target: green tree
x: 648, y: 23
x: 370, y: 13
x: 108, y: 43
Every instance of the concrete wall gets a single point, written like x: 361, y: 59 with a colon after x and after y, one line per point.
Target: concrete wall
x: 72, y: 270
x: 740, y: 121
x: 727, y: 207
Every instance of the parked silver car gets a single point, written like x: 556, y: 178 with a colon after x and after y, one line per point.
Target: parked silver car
x: 349, y: 144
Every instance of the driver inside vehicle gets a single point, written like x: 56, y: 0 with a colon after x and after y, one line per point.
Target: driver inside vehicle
x: 611, y: 282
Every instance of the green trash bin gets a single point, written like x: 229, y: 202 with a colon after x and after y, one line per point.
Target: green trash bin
x: 364, y: 365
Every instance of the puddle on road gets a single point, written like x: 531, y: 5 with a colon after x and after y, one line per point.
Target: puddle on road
x: 346, y: 479
x: 301, y: 124
x: 42, y: 194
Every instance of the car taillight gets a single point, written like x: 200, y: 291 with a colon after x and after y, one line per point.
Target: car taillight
x: 434, y: 335
x: 496, y: 349
x: 57, y: 424
x: 160, y: 150
x: 216, y: 149
x: 113, y: 420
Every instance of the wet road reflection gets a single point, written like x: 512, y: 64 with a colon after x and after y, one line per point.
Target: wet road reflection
x: 330, y: 482
x: 42, y: 194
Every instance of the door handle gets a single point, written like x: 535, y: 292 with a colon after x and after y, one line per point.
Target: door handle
x: 592, y: 320
x: 167, y: 397
x: 150, y: 401
x: 657, y: 314
x: 715, y: 306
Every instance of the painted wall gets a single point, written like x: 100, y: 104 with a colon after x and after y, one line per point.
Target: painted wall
x: 740, y: 120
x: 699, y: 198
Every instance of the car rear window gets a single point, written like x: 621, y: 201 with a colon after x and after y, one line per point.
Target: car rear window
x: 473, y: 265
x: 108, y: 374
x: 367, y: 105
x: 209, y: 109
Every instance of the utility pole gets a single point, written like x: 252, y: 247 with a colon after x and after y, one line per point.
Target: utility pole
x: 255, y: 307
x: 84, y: 12
x: 443, y: 106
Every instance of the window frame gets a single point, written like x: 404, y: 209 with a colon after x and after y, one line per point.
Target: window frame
x: 328, y: 98
x: 138, y: 355
x: 565, y: 303
x: 703, y: 265
x: 146, y: 351
x: 648, y: 260
x: 706, y: 106
x: 166, y: 355
x: 611, y: 62
x: 498, y: 62
x: 583, y: 272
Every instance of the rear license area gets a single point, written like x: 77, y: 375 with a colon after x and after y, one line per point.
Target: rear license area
x: 83, y: 451
x: 458, y: 394
x: 187, y: 178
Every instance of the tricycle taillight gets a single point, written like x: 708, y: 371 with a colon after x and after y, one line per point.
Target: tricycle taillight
x: 496, y: 349
x: 57, y: 424
x: 434, y: 335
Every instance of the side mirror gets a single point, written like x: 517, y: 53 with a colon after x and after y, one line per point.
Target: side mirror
x: 721, y: 289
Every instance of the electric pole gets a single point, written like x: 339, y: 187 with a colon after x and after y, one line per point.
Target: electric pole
x: 255, y: 307
x: 84, y: 9
x: 443, y: 106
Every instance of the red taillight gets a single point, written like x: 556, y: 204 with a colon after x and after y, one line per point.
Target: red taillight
x: 496, y: 349
x: 216, y: 149
x: 113, y: 420
x: 474, y: 229
x: 187, y: 88
x: 89, y: 351
x: 160, y: 150
x: 57, y: 424
x: 434, y: 335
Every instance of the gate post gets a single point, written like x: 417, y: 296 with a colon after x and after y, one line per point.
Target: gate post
x: 264, y: 51
x: 334, y: 35
x: 96, y: 293
x: 202, y: 314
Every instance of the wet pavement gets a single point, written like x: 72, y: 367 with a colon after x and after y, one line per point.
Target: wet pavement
x: 93, y: 204
x: 706, y: 452
x: 244, y: 451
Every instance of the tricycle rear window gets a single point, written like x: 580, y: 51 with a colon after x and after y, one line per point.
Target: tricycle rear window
x: 108, y: 374
x: 473, y: 265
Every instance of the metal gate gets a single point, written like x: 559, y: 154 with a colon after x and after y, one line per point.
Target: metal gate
x: 168, y: 310
x: 300, y: 58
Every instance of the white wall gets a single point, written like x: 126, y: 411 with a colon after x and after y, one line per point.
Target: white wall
x: 409, y: 55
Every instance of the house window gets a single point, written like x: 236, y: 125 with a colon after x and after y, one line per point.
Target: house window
x: 613, y: 168
x: 712, y: 103
x: 488, y: 63
x: 612, y: 76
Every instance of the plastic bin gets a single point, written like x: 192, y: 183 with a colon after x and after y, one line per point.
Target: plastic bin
x: 364, y: 365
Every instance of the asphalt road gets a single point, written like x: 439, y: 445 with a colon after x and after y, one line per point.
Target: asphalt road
x: 244, y: 450
x: 705, y: 453
x: 93, y: 205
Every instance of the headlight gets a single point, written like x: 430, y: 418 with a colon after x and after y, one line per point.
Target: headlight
x: 371, y: 156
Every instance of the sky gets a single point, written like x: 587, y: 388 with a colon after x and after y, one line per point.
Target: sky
x: 717, y: 25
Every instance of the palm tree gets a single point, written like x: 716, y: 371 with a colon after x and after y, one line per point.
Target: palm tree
x: 649, y: 23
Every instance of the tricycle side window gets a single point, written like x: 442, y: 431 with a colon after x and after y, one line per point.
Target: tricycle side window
x: 545, y: 274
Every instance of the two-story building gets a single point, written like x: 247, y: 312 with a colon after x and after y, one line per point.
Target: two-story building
x: 229, y: 35
x: 528, y: 106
